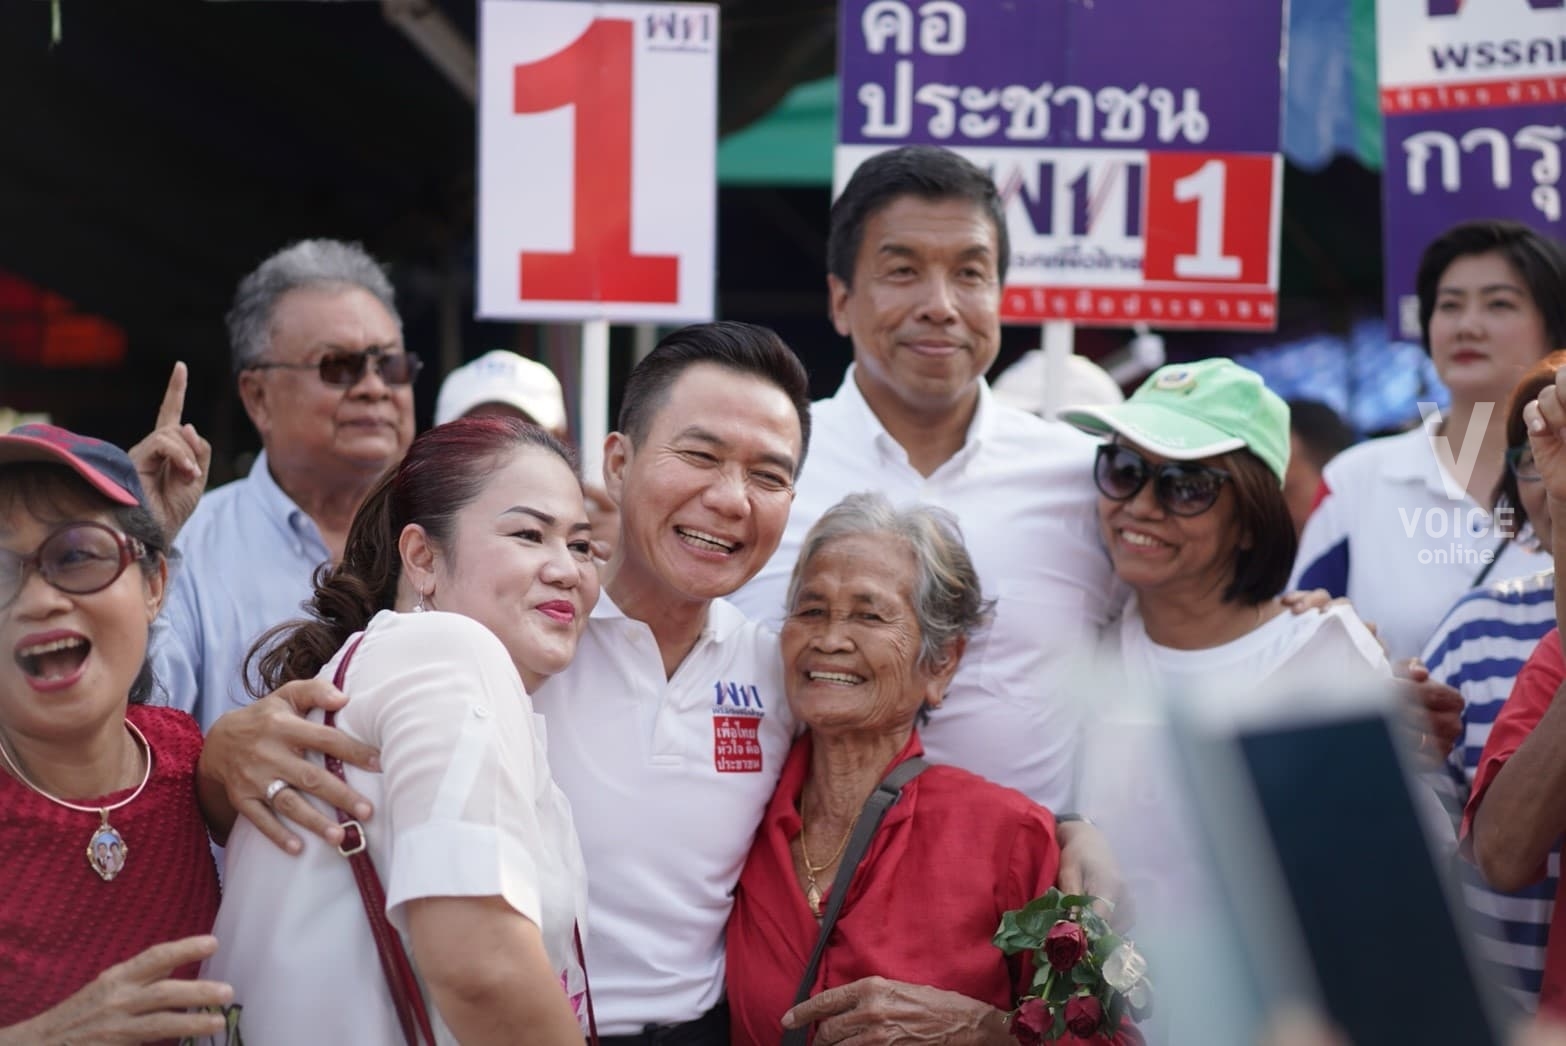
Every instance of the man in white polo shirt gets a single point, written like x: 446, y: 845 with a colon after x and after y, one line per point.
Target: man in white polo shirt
x: 917, y: 254
x: 669, y: 729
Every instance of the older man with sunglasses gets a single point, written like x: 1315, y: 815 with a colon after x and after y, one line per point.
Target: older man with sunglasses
x: 323, y: 374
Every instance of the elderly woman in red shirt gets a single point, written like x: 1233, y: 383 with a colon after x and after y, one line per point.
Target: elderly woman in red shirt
x: 882, y: 604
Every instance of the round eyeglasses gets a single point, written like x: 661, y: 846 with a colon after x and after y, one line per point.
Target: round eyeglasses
x: 346, y: 369
x: 1183, y: 489
x: 1520, y: 460
x: 78, y: 558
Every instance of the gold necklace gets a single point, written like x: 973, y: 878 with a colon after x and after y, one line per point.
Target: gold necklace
x: 106, y: 848
x: 812, y: 891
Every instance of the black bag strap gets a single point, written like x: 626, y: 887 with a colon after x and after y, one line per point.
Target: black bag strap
x: 865, y: 826
x: 1484, y: 571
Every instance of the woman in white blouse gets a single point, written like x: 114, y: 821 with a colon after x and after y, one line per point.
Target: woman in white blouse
x: 466, y: 581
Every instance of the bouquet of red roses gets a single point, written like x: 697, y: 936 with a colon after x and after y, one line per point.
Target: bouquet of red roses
x: 1087, y: 978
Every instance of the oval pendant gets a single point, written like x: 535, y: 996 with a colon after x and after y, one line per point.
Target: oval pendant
x: 107, y: 850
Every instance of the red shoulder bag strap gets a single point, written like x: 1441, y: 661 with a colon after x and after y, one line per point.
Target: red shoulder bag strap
x: 587, y: 988
x: 411, y: 1014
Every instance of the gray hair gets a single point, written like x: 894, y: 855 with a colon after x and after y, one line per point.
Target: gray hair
x: 948, y: 603
x: 308, y: 263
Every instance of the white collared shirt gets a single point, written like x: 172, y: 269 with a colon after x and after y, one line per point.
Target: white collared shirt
x: 1022, y: 489
x: 247, y: 556
x: 465, y: 807
x: 1390, y: 537
x: 668, y: 780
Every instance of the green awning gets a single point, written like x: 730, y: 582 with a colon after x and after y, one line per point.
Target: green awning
x: 791, y: 145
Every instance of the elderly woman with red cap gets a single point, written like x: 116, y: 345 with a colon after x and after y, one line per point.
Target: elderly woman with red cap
x: 110, y: 884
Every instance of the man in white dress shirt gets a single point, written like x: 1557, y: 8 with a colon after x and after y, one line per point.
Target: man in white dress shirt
x: 917, y: 255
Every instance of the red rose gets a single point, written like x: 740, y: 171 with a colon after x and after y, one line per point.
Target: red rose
x: 1083, y: 1015
x: 1064, y: 945
x: 1031, y: 1021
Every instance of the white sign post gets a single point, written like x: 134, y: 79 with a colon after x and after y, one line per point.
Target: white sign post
x: 597, y: 172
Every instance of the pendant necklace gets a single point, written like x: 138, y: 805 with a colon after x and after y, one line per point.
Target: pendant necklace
x: 812, y: 891
x: 106, y: 848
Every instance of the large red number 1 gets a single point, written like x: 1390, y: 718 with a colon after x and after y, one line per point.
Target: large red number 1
x: 594, y: 74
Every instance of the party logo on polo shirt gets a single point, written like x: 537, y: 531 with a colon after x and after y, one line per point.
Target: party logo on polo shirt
x: 737, y: 713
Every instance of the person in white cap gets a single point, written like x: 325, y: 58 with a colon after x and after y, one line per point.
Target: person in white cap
x: 1021, y: 385
x: 501, y: 382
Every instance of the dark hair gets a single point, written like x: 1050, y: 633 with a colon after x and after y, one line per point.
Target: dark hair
x: 1261, y: 515
x: 444, y: 470
x: 1533, y: 382
x: 744, y: 348
x: 1322, y: 433
x: 926, y: 171
x: 1539, y: 260
x: 58, y: 491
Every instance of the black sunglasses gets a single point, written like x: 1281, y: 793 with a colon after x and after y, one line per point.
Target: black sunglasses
x: 1183, y: 489
x: 346, y: 369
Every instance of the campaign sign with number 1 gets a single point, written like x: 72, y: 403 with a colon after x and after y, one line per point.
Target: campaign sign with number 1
x: 597, y: 161
x: 1135, y: 143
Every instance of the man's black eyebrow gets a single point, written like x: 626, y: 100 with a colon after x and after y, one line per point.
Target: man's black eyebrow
x: 700, y: 434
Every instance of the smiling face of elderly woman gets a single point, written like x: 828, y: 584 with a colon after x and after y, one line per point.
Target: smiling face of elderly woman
x: 852, y: 643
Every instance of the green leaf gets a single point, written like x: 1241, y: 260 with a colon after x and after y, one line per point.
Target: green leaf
x: 1105, y: 946
x: 1041, y: 979
x: 1115, y: 1011
x: 1083, y: 974
x: 1095, y: 924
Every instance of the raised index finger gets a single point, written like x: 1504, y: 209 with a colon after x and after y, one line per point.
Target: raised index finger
x: 173, y: 406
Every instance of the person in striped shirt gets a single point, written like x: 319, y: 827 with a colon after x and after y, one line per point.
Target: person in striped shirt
x: 1478, y: 649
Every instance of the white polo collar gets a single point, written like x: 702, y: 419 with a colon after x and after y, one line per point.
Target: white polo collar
x: 1413, y: 458
x: 723, y: 618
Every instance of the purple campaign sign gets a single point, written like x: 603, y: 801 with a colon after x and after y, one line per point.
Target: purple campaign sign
x: 1200, y: 75
x: 1447, y: 167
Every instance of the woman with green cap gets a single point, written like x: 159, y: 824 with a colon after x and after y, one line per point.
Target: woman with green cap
x: 1191, y: 509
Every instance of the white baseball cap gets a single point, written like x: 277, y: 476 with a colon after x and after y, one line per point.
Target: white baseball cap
x: 1022, y: 383
x: 503, y: 377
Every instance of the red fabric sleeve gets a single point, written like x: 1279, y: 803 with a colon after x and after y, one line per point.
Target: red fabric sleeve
x: 1531, y: 695
x: 1322, y: 490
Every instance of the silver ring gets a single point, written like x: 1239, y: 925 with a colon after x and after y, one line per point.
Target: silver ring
x: 277, y: 785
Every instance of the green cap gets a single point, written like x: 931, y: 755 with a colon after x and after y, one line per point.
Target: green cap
x: 1196, y: 410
